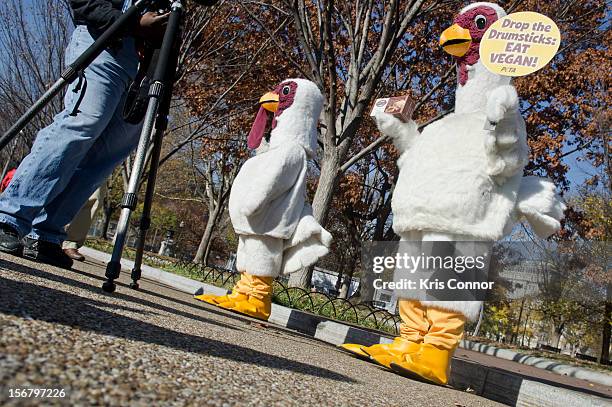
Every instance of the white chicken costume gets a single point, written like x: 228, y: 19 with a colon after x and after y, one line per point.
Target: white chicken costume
x: 276, y: 230
x: 460, y: 179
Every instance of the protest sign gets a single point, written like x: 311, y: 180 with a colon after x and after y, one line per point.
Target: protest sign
x: 519, y: 44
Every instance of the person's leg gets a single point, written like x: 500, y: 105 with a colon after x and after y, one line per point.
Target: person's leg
x: 445, y: 329
x: 259, y: 259
x: 433, y: 360
x: 59, y: 148
x: 76, y: 231
x: 412, y: 328
x: 112, y: 147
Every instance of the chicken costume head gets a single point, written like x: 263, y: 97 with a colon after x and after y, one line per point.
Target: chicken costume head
x: 294, y: 106
x: 277, y: 233
x: 462, y: 39
x: 460, y: 179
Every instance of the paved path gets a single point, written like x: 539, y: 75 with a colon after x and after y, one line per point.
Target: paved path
x: 158, y: 346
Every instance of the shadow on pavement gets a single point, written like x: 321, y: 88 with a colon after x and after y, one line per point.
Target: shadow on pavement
x: 46, y: 304
x: 197, y: 305
x: 118, y: 295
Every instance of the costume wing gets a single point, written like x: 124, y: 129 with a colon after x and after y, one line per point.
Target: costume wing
x: 270, y: 175
x: 309, y: 243
x: 540, y: 205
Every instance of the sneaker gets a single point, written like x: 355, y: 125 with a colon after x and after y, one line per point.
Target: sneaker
x: 46, y: 252
x: 9, y: 240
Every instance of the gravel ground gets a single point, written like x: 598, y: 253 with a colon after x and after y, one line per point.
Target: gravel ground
x: 158, y: 346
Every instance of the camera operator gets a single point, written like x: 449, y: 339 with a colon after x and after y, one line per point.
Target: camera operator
x: 71, y: 157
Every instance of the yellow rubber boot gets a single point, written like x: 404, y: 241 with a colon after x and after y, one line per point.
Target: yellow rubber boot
x: 395, y: 352
x: 214, y: 299
x: 430, y: 363
x: 412, y: 331
x: 252, y: 296
x: 398, y: 347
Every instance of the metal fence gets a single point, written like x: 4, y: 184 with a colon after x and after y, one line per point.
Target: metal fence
x: 365, y: 314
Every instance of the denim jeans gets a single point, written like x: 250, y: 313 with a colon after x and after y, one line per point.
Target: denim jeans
x: 71, y: 157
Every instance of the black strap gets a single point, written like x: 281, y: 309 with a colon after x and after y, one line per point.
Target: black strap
x: 82, y: 87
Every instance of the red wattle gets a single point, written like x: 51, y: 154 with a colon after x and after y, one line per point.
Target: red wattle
x: 258, y: 129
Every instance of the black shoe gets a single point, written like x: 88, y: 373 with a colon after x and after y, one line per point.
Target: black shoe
x: 46, y: 252
x: 9, y: 240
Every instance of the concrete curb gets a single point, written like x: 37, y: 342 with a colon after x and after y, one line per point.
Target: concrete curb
x: 494, y: 384
x: 541, y: 363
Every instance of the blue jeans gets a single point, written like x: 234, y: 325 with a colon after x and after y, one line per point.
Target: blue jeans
x: 71, y: 157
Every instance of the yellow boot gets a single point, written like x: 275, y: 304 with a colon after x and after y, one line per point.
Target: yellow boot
x: 252, y: 295
x: 395, y: 352
x: 430, y: 363
x: 398, y: 347
x: 412, y: 330
x: 213, y: 299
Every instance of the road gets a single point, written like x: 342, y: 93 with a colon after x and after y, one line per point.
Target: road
x: 158, y: 346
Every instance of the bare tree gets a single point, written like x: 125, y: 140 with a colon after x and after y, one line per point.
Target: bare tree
x: 348, y: 47
x: 33, y: 38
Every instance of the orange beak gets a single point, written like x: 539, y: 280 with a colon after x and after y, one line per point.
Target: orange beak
x: 456, y: 40
x: 269, y: 101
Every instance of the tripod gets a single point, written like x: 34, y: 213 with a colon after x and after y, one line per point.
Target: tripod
x: 154, y: 124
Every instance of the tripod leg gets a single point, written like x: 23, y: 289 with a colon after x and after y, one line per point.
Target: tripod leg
x: 71, y: 72
x: 145, y: 218
x: 161, y: 86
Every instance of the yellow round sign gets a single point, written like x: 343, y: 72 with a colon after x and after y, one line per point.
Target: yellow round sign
x: 519, y: 44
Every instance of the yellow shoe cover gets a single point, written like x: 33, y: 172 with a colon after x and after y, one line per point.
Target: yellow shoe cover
x: 252, y: 296
x: 397, y: 351
x: 355, y: 349
x: 394, y: 350
x: 209, y: 298
x: 430, y: 363
x: 220, y: 299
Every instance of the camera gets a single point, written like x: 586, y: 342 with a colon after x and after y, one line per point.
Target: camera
x: 164, y: 5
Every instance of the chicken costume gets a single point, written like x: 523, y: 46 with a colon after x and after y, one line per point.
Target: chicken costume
x: 277, y: 233
x: 461, y: 179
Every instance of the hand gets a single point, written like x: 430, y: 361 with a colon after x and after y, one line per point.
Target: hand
x: 151, y: 27
x: 387, y: 123
x: 501, y: 100
x: 402, y: 134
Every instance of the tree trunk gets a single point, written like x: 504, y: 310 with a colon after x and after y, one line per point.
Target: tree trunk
x: 367, y: 286
x: 516, y: 332
x: 210, y: 240
x: 201, y: 256
x: 557, y: 333
x: 604, y: 357
x: 479, y: 323
x: 107, y: 214
x: 346, y: 285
